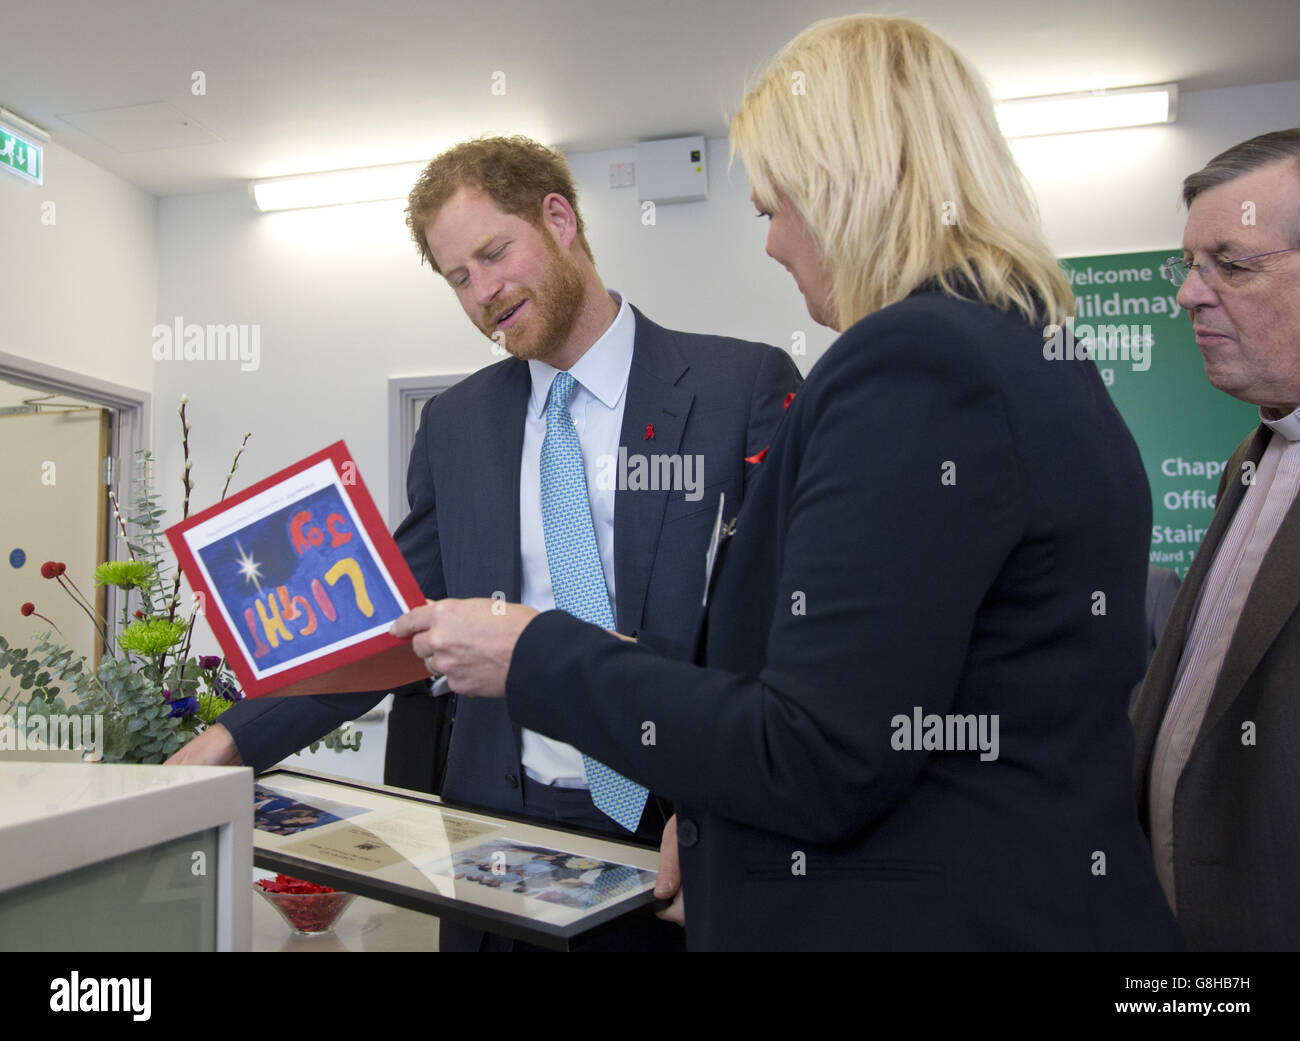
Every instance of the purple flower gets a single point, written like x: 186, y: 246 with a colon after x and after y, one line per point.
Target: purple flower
x: 183, y: 707
x: 209, y: 661
x: 225, y: 689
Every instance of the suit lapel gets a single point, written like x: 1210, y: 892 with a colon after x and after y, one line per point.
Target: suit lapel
x: 1272, y: 600
x: 499, y: 440
x: 500, y: 437
x: 1157, y: 687
x: 653, y: 399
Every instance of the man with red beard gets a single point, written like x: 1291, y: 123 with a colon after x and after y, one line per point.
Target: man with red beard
x: 497, y: 218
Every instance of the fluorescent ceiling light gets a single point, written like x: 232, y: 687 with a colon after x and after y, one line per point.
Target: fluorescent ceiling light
x: 1090, y: 110
x: 337, y: 187
x: 15, y: 120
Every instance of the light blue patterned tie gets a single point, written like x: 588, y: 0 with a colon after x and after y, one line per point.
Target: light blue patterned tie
x: 577, y: 578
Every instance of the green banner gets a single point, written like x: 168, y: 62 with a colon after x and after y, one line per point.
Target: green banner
x: 1128, y: 320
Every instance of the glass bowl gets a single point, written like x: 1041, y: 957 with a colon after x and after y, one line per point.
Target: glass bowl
x: 309, y: 914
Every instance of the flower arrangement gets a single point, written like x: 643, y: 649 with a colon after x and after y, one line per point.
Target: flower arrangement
x: 152, y: 694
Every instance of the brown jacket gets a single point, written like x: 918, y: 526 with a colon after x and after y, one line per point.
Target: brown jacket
x: 1237, y: 804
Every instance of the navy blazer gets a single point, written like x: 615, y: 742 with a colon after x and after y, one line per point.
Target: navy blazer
x: 711, y: 396
x: 946, y: 524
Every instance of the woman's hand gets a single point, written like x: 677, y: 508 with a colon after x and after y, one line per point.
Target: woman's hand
x: 470, y: 642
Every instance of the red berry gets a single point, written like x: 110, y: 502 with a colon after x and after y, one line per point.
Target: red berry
x: 28, y: 608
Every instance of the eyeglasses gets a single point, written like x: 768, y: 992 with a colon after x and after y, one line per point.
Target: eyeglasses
x: 1176, y: 269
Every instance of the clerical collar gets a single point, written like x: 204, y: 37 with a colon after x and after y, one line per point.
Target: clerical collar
x: 1287, y: 426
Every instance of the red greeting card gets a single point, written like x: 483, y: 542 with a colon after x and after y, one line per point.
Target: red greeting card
x: 300, y: 581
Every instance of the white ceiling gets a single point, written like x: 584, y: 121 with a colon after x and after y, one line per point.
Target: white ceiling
x: 295, y: 85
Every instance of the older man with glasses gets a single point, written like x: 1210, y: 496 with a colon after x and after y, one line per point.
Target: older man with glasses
x: 1217, y: 722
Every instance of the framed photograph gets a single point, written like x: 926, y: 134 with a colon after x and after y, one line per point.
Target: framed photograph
x: 300, y: 581
x: 501, y: 874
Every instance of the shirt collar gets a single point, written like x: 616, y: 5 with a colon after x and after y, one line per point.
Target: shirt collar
x: 1287, y: 426
x: 603, y: 369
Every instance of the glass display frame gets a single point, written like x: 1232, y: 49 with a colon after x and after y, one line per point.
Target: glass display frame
x: 500, y: 873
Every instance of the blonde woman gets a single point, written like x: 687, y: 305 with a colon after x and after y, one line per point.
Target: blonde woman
x: 909, y: 730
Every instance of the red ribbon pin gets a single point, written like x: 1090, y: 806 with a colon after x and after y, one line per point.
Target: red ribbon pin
x: 759, y: 457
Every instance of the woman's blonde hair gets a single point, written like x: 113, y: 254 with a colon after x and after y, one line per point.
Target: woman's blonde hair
x: 884, y: 140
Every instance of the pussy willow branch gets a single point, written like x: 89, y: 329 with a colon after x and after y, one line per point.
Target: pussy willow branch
x: 234, y: 465
x: 121, y: 524
x: 185, y: 502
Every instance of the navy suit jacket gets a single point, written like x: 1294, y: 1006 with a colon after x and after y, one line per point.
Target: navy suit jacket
x: 946, y: 522
x: 711, y: 396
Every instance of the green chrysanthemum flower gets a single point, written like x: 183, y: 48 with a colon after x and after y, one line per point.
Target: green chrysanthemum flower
x: 152, y: 636
x: 125, y: 574
x: 211, y: 706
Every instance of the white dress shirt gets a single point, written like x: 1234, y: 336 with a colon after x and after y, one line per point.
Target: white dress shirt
x: 597, y: 411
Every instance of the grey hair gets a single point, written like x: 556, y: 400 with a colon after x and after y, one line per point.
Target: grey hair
x: 1243, y: 159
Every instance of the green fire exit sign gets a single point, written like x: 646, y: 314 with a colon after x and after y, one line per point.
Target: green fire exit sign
x: 21, y: 157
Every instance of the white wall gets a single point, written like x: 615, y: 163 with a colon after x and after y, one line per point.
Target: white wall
x: 80, y: 293
x: 1118, y: 191
x: 340, y: 304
